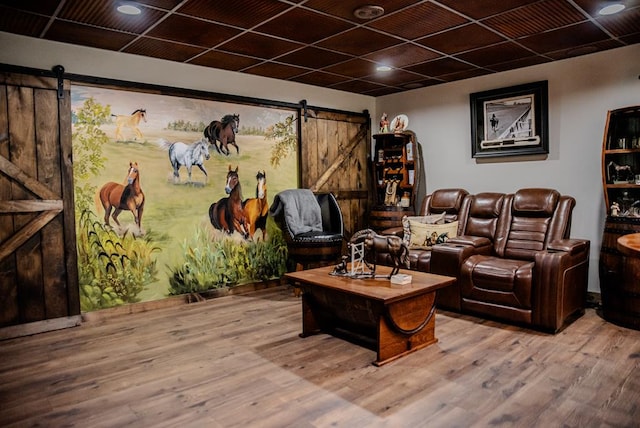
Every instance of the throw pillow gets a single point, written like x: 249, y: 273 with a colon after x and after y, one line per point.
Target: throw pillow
x: 430, y: 219
x: 424, y: 235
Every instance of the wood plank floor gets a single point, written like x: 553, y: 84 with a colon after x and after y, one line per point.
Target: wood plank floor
x: 237, y: 361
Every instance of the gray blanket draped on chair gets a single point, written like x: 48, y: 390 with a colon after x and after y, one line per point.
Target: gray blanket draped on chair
x: 301, y: 210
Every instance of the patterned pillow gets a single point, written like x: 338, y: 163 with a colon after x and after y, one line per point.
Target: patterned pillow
x: 430, y: 219
x: 424, y: 232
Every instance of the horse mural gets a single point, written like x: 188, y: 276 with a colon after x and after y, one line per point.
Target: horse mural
x: 123, y: 197
x: 223, y: 131
x: 227, y: 214
x: 131, y: 122
x: 391, y: 244
x: 181, y: 154
x: 256, y: 209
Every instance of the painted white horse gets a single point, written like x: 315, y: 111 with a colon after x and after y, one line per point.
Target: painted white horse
x: 187, y: 155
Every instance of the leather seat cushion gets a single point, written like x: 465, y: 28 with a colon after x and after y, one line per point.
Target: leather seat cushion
x: 498, y: 281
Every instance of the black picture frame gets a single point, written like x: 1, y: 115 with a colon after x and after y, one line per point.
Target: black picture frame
x: 510, y: 121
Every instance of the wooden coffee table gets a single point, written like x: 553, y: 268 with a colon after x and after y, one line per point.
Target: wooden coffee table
x: 392, y: 321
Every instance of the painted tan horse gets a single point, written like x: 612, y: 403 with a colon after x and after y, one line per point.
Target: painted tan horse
x: 131, y: 122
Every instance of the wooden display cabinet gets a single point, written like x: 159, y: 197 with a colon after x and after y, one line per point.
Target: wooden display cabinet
x: 621, y: 184
x: 397, y: 169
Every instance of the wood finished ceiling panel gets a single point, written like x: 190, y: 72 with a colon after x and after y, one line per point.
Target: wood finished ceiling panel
x: 461, y: 39
x: 419, y: 21
x: 320, y: 78
x: 303, y: 26
x: 18, y: 22
x: 84, y: 35
x: 241, y: 13
x: 192, y: 31
x: 259, y: 46
x: 359, y: 41
x: 402, y: 55
x: 535, y: 18
x: 104, y: 14
x: 313, y: 57
x: 224, y: 60
x: 321, y: 42
x: 276, y: 71
x: 163, y: 50
x: 564, y: 38
x: 507, y: 51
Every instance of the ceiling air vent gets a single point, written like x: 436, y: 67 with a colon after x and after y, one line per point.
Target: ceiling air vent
x: 368, y: 12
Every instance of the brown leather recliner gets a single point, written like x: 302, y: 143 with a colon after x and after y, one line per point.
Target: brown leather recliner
x: 447, y: 201
x: 478, y: 224
x: 531, y: 273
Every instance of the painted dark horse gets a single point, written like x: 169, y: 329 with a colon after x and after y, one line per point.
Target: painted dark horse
x: 227, y: 214
x: 256, y: 209
x: 223, y: 131
x: 123, y: 197
x: 374, y: 243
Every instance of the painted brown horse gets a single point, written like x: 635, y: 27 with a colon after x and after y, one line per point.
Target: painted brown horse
x: 256, y: 209
x: 123, y: 197
x: 223, y: 131
x: 227, y: 214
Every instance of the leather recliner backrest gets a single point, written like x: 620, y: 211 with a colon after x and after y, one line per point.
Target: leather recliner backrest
x: 480, y: 214
x: 531, y: 219
x: 444, y: 200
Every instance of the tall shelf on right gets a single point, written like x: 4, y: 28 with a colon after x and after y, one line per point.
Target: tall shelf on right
x: 621, y: 183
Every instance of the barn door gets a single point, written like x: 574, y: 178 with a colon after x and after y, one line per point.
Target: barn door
x: 38, y: 271
x: 334, y: 158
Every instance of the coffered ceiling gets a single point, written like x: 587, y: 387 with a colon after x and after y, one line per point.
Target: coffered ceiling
x: 322, y: 42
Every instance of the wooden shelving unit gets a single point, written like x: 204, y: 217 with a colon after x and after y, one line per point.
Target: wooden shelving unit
x: 397, y: 169
x: 621, y: 184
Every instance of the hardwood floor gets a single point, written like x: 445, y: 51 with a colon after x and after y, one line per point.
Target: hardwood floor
x: 237, y: 361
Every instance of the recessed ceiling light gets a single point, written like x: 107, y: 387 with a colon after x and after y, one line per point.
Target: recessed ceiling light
x: 611, y: 9
x: 129, y: 9
x: 383, y: 68
x: 368, y: 11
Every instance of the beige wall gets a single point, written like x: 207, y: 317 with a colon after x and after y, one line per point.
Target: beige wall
x: 581, y: 90
x: 43, y: 54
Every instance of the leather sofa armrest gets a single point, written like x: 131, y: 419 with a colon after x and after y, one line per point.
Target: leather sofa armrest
x: 447, y: 258
x: 560, y: 281
x: 571, y: 246
x: 472, y: 241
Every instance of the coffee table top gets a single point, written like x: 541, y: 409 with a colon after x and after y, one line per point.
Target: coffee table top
x: 376, y: 289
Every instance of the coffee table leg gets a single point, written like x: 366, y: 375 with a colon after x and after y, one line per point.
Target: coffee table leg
x: 309, y: 323
x: 406, y: 327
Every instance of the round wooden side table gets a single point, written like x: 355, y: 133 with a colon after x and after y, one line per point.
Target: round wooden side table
x: 627, y: 312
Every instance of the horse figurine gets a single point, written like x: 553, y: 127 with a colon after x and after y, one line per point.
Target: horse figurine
x: 256, y: 209
x: 227, y: 214
x: 130, y: 122
x: 617, y: 172
x: 223, y: 131
x: 374, y: 243
x: 120, y: 197
x: 181, y: 154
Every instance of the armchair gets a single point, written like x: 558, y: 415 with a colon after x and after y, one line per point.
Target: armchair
x: 319, y: 241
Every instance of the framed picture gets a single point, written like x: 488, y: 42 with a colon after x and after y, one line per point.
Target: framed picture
x: 510, y: 121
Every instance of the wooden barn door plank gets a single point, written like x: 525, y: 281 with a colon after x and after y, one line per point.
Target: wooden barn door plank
x: 8, y: 288
x: 38, y: 270
x: 335, y: 148
x: 23, y: 156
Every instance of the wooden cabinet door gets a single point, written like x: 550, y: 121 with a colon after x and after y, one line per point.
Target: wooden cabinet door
x: 335, y: 150
x: 38, y: 271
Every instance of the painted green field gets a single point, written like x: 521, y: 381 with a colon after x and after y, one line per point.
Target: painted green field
x: 173, y: 211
